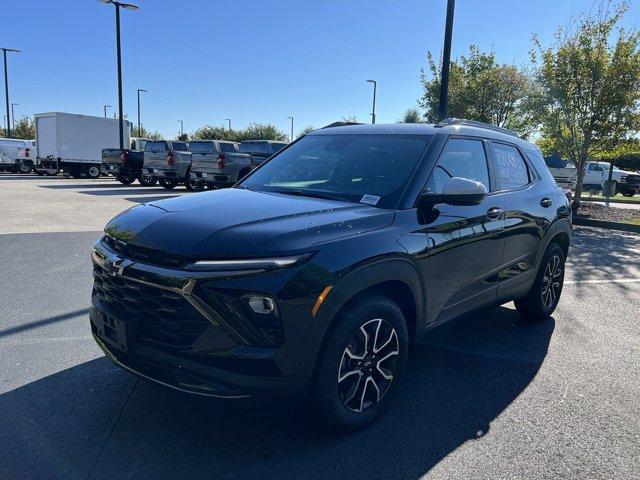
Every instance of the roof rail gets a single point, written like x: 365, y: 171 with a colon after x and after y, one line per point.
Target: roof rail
x: 474, y: 123
x: 341, y: 124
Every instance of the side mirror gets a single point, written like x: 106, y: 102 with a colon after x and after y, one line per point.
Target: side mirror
x: 456, y: 191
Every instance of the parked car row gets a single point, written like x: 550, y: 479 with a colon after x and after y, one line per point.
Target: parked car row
x: 197, y: 164
x: 595, y: 176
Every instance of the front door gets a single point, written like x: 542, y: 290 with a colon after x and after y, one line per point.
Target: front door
x: 464, y: 242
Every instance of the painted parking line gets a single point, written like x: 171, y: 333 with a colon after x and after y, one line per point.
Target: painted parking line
x: 611, y: 280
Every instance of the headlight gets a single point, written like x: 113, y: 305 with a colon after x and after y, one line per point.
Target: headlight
x: 253, y: 264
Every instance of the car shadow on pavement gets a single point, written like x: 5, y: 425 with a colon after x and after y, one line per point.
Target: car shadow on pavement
x: 96, y: 421
x: 147, y: 199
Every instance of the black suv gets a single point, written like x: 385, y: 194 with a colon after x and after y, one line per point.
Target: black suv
x: 312, y: 276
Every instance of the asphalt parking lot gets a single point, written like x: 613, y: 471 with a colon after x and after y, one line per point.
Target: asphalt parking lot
x: 489, y: 396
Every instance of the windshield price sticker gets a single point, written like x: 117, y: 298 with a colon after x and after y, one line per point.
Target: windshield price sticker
x: 370, y: 199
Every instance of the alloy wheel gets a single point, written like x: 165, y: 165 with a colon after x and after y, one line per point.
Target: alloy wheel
x: 367, y: 365
x: 552, y: 282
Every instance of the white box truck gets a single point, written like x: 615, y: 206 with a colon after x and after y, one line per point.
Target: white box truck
x: 74, y: 143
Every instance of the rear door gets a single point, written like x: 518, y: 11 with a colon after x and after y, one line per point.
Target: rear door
x: 465, y: 242
x: 529, y: 213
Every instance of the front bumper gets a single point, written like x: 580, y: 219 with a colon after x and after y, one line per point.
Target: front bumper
x: 187, y: 331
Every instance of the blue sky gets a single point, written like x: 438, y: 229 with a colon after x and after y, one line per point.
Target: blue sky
x: 254, y: 61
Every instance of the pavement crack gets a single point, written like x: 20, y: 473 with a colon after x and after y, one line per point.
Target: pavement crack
x: 113, y: 428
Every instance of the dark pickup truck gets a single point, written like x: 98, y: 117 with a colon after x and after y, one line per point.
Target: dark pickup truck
x: 126, y: 165
x: 260, y: 150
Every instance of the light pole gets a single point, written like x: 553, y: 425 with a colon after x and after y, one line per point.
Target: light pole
x: 291, y: 137
x: 13, y: 116
x: 6, y: 86
x: 104, y: 107
x: 446, y: 60
x: 229, y: 120
x: 140, y: 90
x: 128, y: 6
x: 181, y: 127
x: 373, y: 111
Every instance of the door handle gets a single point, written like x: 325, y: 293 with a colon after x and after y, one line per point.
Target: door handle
x: 546, y: 202
x: 494, y: 212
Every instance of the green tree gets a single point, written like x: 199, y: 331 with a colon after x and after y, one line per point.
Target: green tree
x: 412, y: 115
x: 214, y: 133
x: 183, y: 137
x: 481, y: 89
x: 25, y: 128
x: 305, y: 130
x: 260, y: 131
x: 590, y: 83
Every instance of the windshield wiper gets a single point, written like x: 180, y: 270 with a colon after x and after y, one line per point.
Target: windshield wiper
x: 306, y: 193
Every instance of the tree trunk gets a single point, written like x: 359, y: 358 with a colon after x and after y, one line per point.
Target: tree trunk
x: 579, y: 180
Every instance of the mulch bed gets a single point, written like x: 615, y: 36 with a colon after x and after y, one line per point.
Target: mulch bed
x: 597, y: 211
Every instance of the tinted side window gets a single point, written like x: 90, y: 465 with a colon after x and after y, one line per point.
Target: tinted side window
x: 511, y: 171
x: 179, y: 147
x: 460, y: 158
x: 228, y: 147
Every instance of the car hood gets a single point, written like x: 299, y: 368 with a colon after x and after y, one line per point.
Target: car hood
x: 236, y: 223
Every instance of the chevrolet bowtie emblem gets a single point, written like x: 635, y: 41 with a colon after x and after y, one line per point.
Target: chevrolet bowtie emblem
x: 115, y: 266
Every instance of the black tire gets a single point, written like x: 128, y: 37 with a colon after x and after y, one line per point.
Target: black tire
x: 628, y: 193
x: 147, y: 180
x: 93, y: 171
x: 26, y: 167
x: 126, y: 178
x: 191, y: 184
x: 545, y: 293
x: 342, y: 400
x: 52, y: 172
x: 168, y: 183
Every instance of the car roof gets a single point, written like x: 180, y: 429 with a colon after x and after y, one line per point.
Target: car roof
x: 475, y: 130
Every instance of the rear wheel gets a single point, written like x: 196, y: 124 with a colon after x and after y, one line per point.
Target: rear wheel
x: 629, y: 193
x: 93, y: 171
x: 192, y: 184
x: 362, y: 364
x: 147, y: 180
x: 168, y: 183
x: 126, y: 178
x: 243, y: 173
x: 26, y: 167
x: 545, y: 293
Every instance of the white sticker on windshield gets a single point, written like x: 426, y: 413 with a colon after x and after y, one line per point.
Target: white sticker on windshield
x: 370, y: 199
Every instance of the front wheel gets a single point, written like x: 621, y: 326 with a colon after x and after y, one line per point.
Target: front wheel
x: 545, y: 293
x: 126, y: 178
x: 361, y: 366
x: 168, y: 183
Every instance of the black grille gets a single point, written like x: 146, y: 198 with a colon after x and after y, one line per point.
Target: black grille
x: 144, y: 255
x: 162, y: 317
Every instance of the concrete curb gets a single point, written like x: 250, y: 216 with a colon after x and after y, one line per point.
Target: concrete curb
x: 602, y: 200
x: 589, y: 222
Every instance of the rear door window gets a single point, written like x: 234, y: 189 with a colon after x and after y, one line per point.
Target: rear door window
x: 180, y: 147
x: 463, y: 158
x: 227, y: 147
x: 254, y: 147
x: 511, y: 169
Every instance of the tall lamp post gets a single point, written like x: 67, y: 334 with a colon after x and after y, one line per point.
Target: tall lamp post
x: 13, y: 116
x: 229, y: 120
x: 104, y: 107
x: 373, y: 111
x: 128, y: 6
x: 140, y: 90
x: 291, y: 137
x: 181, y: 127
x: 6, y: 86
x: 446, y: 60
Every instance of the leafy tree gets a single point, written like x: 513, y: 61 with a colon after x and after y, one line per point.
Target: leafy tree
x: 25, y: 128
x: 260, y: 131
x: 214, y: 133
x: 305, y: 130
x: 481, y: 89
x: 144, y: 133
x: 184, y: 137
x: 590, y: 83
x: 412, y: 115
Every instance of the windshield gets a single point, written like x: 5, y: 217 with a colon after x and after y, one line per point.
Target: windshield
x: 371, y: 169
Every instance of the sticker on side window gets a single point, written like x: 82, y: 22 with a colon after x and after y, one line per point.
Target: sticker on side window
x: 370, y: 199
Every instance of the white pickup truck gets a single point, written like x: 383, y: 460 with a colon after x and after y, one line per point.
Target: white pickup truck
x: 17, y: 155
x: 595, y: 174
x: 170, y: 162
